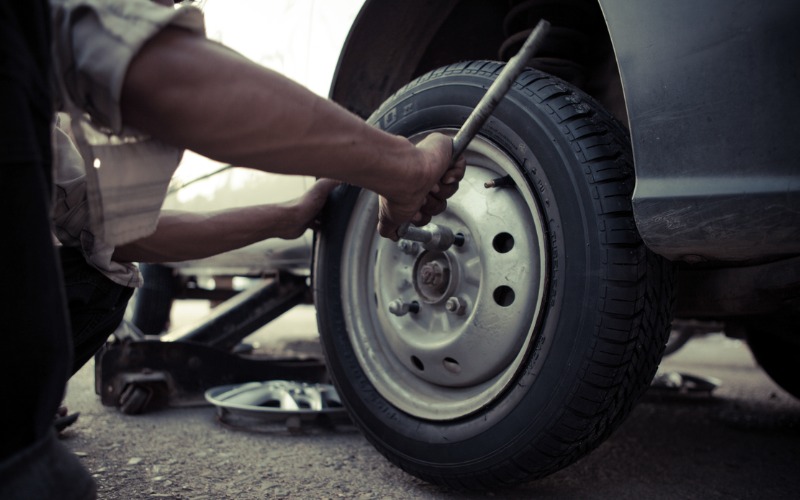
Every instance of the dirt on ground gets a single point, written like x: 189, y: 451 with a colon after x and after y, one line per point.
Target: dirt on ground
x: 741, y: 441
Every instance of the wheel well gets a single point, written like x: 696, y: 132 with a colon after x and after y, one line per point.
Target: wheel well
x: 393, y: 42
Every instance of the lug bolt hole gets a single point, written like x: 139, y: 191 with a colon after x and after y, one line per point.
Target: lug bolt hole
x: 451, y: 365
x: 503, y: 296
x: 503, y: 243
x: 418, y: 363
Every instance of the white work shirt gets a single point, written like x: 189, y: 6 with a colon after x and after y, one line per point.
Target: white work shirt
x: 127, y: 174
x: 71, y: 214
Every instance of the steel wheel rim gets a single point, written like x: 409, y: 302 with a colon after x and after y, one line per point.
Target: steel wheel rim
x: 449, y: 359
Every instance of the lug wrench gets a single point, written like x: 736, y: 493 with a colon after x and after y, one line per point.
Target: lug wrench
x: 443, y: 237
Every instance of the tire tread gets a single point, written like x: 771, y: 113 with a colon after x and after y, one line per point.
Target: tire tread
x: 634, y: 318
x: 608, y: 167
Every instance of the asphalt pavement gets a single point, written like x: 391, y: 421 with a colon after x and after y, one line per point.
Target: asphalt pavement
x: 742, y: 441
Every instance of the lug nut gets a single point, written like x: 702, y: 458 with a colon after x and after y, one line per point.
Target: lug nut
x: 456, y: 306
x: 409, y: 247
x: 399, y: 307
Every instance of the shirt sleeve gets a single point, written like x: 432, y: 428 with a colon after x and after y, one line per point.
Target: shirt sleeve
x: 95, y: 41
x: 71, y: 214
x: 127, y: 174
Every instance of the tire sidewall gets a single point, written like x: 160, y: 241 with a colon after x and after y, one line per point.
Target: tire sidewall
x: 538, y: 395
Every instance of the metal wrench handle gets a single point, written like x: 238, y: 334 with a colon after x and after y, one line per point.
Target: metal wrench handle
x: 498, y: 89
x: 486, y: 106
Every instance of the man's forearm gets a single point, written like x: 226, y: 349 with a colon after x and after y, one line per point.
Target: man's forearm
x: 197, y: 94
x: 235, y: 111
x: 185, y: 236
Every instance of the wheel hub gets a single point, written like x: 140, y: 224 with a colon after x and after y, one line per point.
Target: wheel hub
x: 440, y: 333
x: 432, y: 277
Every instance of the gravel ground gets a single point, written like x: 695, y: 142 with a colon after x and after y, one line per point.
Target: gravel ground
x: 742, y: 442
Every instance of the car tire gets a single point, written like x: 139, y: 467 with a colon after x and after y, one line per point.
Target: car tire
x: 153, y: 301
x: 775, y: 345
x: 561, y: 314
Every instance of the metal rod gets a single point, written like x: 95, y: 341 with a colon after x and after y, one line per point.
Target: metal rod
x: 498, y: 89
x: 488, y: 103
x: 434, y: 238
x: 412, y: 233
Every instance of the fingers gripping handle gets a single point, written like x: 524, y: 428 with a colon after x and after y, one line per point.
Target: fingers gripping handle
x: 488, y: 103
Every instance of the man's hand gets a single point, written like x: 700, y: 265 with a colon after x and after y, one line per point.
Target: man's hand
x: 306, y: 209
x: 428, y: 184
x: 225, y: 107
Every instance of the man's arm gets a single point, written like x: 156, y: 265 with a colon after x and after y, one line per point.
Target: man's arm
x: 197, y: 94
x: 186, y: 235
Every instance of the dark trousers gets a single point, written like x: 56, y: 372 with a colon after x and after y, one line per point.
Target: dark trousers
x: 96, y: 305
x: 36, y: 353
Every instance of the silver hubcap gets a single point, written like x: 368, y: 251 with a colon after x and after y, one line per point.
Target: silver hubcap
x: 441, y: 333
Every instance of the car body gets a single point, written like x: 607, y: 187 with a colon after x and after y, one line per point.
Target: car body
x: 707, y: 94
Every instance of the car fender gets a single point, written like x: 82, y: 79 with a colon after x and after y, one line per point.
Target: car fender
x: 710, y: 97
